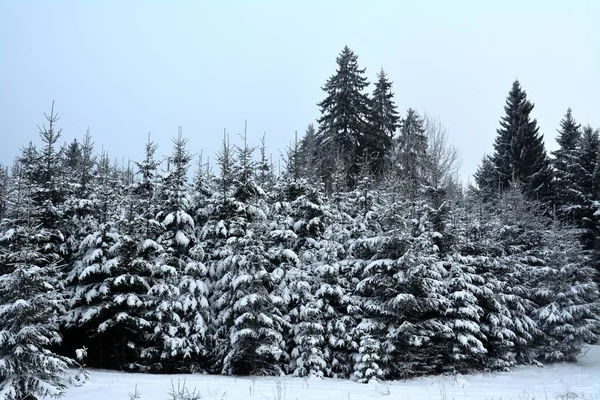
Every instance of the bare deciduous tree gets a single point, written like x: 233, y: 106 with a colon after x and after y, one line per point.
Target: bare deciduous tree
x: 444, y: 158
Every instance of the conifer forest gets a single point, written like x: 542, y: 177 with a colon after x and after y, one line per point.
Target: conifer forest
x: 361, y: 255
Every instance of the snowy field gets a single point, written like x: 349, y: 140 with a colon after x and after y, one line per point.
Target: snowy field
x: 561, y: 381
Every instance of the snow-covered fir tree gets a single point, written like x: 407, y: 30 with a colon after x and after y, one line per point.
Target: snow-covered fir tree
x: 80, y: 203
x: 360, y: 208
x: 178, y: 305
x: 298, y: 217
x: 214, y: 233
x: 138, y: 251
x: 466, y: 344
x: 42, y: 179
x: 30, y: 301
x: 250, y: 308
x: 519, y: 236
x: 95, y: 266
x: 567, y: 298
x: 418, y: 296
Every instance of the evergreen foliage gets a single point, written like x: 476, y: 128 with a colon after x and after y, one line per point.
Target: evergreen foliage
x: 31, y: 299
x: 519, y: 153
x: 384, y: 120
x: 411, y: 162
x: 565, y: 161
x: 344, y: 127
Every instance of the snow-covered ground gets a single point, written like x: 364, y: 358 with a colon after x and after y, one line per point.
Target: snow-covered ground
x: 561, y: 381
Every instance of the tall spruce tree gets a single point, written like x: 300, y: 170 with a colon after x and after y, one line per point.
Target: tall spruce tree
x: 384, y: 120
x: 565, y: 161
x: 519, y: 153
x: 308, y: 152
x: 411, y: 153
x: 586, y: 189
x: 344, y: 128
x: 585, y: 186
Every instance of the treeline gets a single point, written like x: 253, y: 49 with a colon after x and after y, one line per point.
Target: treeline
x: 364, y: 258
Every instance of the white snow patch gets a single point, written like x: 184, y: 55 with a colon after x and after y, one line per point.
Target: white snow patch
x: 525, y: 382
x: 182, y: 239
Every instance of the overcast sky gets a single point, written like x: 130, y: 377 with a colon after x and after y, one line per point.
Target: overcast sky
x: 126, y: 68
